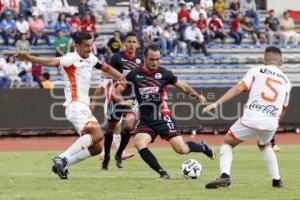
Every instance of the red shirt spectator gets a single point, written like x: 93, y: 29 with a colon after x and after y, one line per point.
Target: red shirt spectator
x: 202, y: 23
x: 215, y: 24
x: 235, y: 25
x: 88, y: 25
x: 183, y: 14
x: 75, y: 23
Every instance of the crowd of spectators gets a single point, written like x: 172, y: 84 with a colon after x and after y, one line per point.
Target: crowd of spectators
x: 177, y: 27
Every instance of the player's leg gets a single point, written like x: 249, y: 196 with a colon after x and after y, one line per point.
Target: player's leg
x: 129, y: 124
x: 108, y: 142
x: 269, y: 157
x: 141, y: 142
x: 182, y: 147
x: 275, y: 147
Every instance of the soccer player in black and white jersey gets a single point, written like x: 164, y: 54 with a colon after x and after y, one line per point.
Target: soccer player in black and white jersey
x: 124, y: 62
x: 150, y: 83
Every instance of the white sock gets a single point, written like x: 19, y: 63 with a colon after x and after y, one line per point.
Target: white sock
x: 117, y: 140
x: 225, y: 158
x: 271, y: 162
x: 82, y: 143
x: 79, y: 156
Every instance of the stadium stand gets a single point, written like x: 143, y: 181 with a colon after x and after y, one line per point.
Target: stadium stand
x: 223, y: 68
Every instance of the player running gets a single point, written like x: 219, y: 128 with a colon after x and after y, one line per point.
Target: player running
x: 77, y: 70
x: 124, y: 61
x: 150, y: 85
x: 269, y: 93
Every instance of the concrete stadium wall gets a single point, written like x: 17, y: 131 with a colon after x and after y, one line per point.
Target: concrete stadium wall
x: 34, y: 109
x: 282, y: 5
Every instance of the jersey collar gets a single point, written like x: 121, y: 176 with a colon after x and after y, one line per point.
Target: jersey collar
x: 128, y: 55
x: 148, y: 72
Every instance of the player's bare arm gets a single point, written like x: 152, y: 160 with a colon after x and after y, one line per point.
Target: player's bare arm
x: 117, y: 94
x: 234, y: 91
x: 184, y: 87
x: 35, y: 59
x: 113, y: 72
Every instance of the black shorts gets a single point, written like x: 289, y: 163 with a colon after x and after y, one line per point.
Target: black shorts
x: 165, y: 128
x: 116, y: 111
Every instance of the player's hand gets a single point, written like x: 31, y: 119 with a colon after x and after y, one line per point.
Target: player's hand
x: 129, y: 103
x: 122, y: 81
x: 209, y: 107
x: 201, y: 99
x: 22, y: 56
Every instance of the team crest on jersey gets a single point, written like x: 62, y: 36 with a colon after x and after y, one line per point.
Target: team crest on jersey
x: 158, y: 76
x: 138, y: 61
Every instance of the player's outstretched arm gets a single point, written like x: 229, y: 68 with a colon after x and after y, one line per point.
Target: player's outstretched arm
x: 234, y: 91
x: 184, y: 87
x: 115, y: 74
x: 117, y: 95
x: 35, y: 59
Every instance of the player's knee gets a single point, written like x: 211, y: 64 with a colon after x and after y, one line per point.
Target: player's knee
x: 263, y: 146
x: 96, y: 133
x: 139, y: 143
x: 95, y: 149
x: 181, y: 149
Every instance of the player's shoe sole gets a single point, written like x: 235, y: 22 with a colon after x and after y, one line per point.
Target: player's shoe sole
x: 126, y: 155
x: 60, y: 167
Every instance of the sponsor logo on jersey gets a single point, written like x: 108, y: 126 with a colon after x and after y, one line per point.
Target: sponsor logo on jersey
x: 138, y: 61
x: 158, y: 76
x: 124, y: 60
x: 139, y: 76
x: 270, y: 110
x: 148, y: 90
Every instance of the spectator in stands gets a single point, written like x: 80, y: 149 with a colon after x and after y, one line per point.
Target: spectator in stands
x: 135, y: 5
x: 100, y: 48
x: 248, y: 7
x: 194, y: 38
x: 171, y: 17
x: 184, y: 16
x: 23, y: 44
x: 9, y: 6
x: 25, y: 72
x: 170, y: 35
x: 37, y: 26
x: 11, y: 70
x: 8, y: 28
x: 154, y: 34
x: 46, y: 83
x: 219, y: 10
x: 249, y: 30
x: 62, y: 24
x: 114, y: 44
x: 208, y: 6
x: 88, y: 24
x: 37, y: 73
x: 236, y: 30
x: 22, y: 26
x: 202, y: 24
x: 99, y: 8
x: 26, y: 7
x: 4, y: 80
x: 123, y: 25
x: 180, y: 46
x: 216, y: 28
x: 160, y: 15
x: 136, y: 22
x: 196, y: 11
x: 287, y: 31
x: 75, y: 23
x: 61, y: 44
x: 83, y: 8
x: 272, y: 26
x: 234, y: 8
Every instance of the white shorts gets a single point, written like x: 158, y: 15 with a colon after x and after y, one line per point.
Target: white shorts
x: 243, y: 133
x: 80, y: 115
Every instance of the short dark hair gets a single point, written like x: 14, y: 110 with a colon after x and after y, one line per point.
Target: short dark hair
x: 46, y: 75
x: 152, y: 47
x: 273, y: 49
x: 130, y: 34
x: 79, y: 37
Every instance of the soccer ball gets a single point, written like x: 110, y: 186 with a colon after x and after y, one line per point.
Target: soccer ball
x: 191, y: 169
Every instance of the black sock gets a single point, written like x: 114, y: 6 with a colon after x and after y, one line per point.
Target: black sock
x: 224, y: 175
x: 194, y: 147
x: 107, y: 143
x: 151, y: 160
x: 125, y: 136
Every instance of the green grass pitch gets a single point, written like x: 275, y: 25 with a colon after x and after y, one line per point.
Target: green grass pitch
x: 26, y: 175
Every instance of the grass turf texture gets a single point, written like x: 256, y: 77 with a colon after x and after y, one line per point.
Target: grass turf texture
x: 26, y: 175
